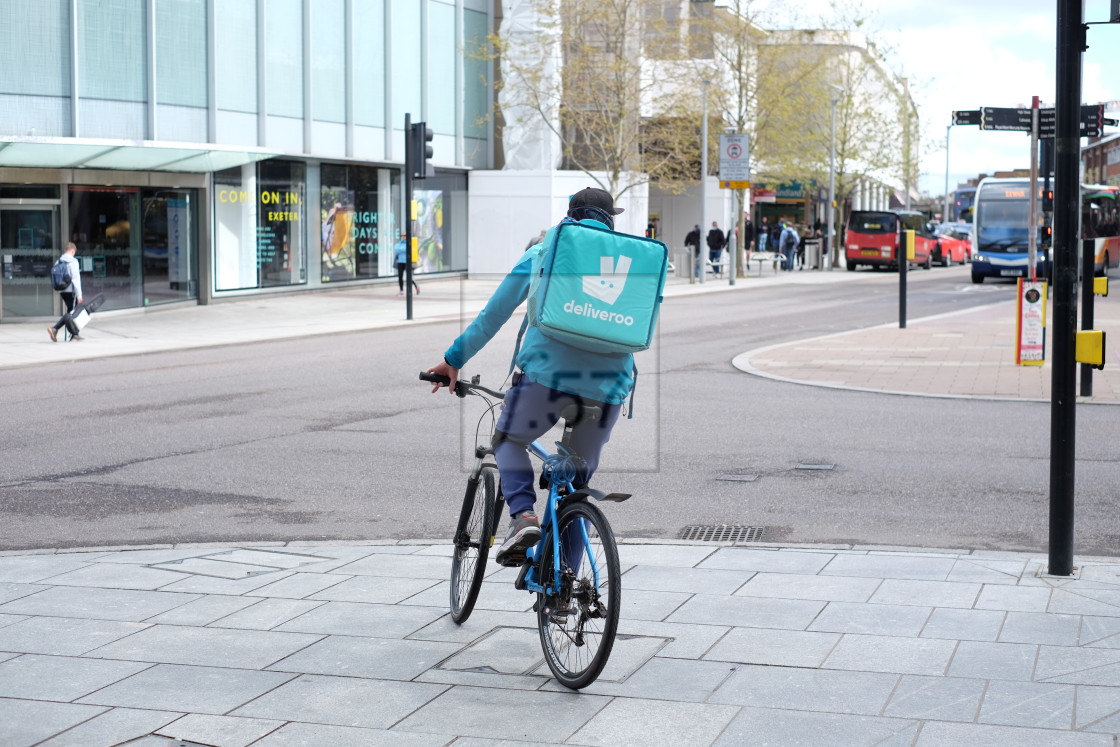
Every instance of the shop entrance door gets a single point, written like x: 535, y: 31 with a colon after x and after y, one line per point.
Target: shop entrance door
x: 28, y: 248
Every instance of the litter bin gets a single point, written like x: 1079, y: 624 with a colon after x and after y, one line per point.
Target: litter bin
x: 813, y: 254
x: 683, y: 263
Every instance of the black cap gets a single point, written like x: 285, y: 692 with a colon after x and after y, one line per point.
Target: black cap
x: 594, y: 197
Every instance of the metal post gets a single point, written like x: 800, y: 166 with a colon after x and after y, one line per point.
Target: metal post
x: 831, y: 233
x: 409, y: 167
x: 1032, y: 201
x: 703, y: 187
x: 1088, y: 301
x: 1067, y: 208
x: 945, y: 213
x: 907, y: 240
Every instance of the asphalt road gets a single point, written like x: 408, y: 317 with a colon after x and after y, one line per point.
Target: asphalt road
x: 334, y: 438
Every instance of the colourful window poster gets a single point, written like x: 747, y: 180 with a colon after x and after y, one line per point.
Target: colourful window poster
x: 1030, y: 331
x: 429, y: 230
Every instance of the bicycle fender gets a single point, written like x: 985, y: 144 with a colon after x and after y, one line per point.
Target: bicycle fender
x: 598, y: 495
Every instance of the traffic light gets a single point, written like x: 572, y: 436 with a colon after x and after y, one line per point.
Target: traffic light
x: 1047, y: 200
x: 1047, y: 235
x: 421, y: 137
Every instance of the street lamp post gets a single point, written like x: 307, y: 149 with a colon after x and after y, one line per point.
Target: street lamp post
x: 832, y: 182
x: 945, y: 213
x: 703, y: 185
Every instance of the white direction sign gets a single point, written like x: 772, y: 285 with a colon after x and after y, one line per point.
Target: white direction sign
x: 734, y: 158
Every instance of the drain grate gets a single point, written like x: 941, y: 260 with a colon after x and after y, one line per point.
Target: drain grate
x: 721, y: 533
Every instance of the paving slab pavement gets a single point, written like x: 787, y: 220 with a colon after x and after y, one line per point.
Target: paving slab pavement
x: 719, y: 644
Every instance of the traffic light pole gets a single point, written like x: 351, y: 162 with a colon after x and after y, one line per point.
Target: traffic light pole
x: 1067, y: 209
x: 409, y: 168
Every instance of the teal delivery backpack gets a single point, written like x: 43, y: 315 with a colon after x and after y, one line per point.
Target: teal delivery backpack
x: 597, y: 289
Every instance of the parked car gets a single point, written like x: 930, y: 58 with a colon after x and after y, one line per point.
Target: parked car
x: 954, y: 246
x: 873, y: 238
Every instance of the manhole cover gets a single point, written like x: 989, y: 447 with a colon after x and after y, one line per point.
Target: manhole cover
x: 721, y: 533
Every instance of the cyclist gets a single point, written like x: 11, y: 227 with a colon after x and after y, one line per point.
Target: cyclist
x: 552, y: 375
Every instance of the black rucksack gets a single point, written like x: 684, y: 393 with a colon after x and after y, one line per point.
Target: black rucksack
x: 789, y: 241
x: 60, y: 275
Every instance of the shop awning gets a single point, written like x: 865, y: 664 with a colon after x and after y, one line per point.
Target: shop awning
x: 131, y: 155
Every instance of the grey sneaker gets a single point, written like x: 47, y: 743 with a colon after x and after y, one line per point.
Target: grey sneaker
x: 524, y: 532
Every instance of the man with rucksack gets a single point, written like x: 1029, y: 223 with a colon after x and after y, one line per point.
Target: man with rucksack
x: 788, y: 240
x: 556, y: 372
x: 692, y: 243
x: 66, y: 278
x: 716, y: 242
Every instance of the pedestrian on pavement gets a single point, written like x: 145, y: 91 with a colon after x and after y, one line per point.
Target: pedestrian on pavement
x: 748, y: 237
x: 787, y: 243
x: 402, y: 266
x: 535, y: 240
x: 71, y: 295
x: 552, y: 375
x: 692, y: 242
x: 716, y: 242
x: 763, y: 236
x: 653, y: 228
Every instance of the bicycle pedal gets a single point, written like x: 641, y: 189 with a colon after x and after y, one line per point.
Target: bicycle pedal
x: 519, y: 584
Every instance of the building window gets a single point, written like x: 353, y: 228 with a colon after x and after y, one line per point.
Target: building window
x: 111, y: 49
x: 358, y: 221
x: 284, y: 57
x: 236, y: 30
x: 369, y: 63
x: 181, y: 52
x: 328, y: 60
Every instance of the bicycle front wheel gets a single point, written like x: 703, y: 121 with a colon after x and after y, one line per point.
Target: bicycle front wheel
x: 578, y: 624
x: 473, y: 537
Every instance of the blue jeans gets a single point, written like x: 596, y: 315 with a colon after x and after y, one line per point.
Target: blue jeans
x: 528, y: 412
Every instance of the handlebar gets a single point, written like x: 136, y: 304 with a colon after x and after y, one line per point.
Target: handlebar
x: 462, y: 388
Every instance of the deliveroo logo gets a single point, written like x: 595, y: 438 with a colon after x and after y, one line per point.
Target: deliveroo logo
x: 608, y: 285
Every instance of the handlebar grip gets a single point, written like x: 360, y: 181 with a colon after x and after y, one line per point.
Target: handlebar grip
x: 435, y: 378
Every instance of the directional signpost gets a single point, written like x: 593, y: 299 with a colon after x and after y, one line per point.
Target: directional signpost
x: 997, y: 118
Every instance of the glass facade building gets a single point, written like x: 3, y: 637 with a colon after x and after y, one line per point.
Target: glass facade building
x: 201, y: 149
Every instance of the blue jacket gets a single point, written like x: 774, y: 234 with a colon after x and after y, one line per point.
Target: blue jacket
x: 400, y: 249
x: 603, y: 377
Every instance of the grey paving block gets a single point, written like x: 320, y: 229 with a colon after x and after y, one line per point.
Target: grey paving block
x: 11, y: 619
x: 662, y: 679
x: 10, y: 591
x: 1028, y: 704
x: 231, y: 587
x: 831, y: 690
x: 936, y: 698
x: 152, y: 557
x: 879, y: 653
x: 27, y: 722
x: 751, y: 612
x: 503, y: 651
x: 767, y: 561
x: 890, y: 566
x: 266, y: 614
x: 1078, y: 666
x: 655, y: 722
x: 1037, y: 627
x: 627, y: 656
x: 1098, y: 709
x: 117, y: 576
x: 1101, y: 602
x: 203, y: 611
x: 686, y: 580
x: 485, y: 679
x: 638, y: 604
x: 475, y: 712
x: 964, y: 625
x: 278, y: 557
x: 987, y: 570
x: 492, y: 596
x: 927, y: 593
x: 802, y: 586
x: 1108, y: 573
x: 945, y: 734
x: 210, y: 566
x: 1099, y: 632
x: 343, y: 701
x: 381, y: 658
x: 27, y: 569
x: 187, y: 689
x: 61, y: 678
x: 227, y: 731
x: 1013, y: 598
x: 250, y: 649
x: 97, y: 604
x: 399, y: 566
x: 789, y: 728
x: 672, y: 556
x: 683, y: 640
x: 375, y: 620
x: 875, y: 619
x: 115, y: 726
x: 1002, y: 661
x: 59, y: 636
x: 311, y: 735
x: 374, y: 589
x: 478, y: 625
x: 299, y: 585
x: 784, y: 648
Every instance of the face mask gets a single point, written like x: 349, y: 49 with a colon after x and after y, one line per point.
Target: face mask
x: 589, y: 211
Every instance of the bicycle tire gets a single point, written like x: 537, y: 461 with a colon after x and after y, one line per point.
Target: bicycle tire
x: 473, y: 537
x: 578, y: 626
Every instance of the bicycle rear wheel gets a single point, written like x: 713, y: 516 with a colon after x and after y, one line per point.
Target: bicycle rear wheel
x: 473, y: 537
x: 578, y: 625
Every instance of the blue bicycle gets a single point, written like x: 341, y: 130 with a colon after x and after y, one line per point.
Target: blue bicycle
x: 573, y: 571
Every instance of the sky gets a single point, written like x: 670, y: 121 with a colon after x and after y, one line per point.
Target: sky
x: 966, y: 54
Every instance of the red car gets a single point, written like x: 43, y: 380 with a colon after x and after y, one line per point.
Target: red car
x: 873, y: 238
x: 954, y: 245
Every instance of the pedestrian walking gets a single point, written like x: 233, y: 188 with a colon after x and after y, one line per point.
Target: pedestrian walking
x: 716, y: 242
x: 71, y: 293
x: 763, y: 235
x: 788, y: 244
x: 402, y: 266
x: 692, y: 242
